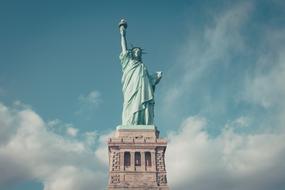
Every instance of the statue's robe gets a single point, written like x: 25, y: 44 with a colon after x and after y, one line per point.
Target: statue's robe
x: 138, y: 91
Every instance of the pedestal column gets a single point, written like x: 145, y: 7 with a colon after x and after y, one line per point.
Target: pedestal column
x: 133, y: 161
x: 143, y: 161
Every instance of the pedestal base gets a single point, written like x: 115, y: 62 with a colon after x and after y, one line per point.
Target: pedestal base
x: 136, y: 159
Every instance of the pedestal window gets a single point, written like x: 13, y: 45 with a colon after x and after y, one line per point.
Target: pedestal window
x: 147, y: 159
x: 127, y: 159
x: 137, y: 159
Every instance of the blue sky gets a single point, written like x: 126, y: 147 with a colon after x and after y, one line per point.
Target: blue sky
x: 220, y: 102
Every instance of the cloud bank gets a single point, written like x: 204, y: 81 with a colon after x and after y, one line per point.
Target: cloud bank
x: 196, y: 160
x: 30, y: 151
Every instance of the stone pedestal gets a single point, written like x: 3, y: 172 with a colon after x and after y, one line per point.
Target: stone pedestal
x: 136, y: 159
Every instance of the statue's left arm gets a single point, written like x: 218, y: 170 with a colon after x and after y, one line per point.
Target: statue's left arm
x: 156, y: 77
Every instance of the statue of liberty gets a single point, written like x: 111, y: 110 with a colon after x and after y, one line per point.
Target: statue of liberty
x: 138, y: 85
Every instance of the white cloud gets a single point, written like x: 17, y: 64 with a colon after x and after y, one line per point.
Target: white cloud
x: 92, y: 97
x: 91, y: 137
x: 61, y: 128
x: 30, y: 151
x: 88, y: 103
x: 214, y: 46
x: 229, y: 161
x: 72, y: 131
x: 74, y: 178
x: 266, y: 87
x: 241, y: 121
x: 102, y: 150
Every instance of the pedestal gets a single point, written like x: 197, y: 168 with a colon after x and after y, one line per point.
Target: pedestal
x: 137, y: 159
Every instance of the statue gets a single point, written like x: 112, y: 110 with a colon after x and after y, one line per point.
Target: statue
x: 138, y: 85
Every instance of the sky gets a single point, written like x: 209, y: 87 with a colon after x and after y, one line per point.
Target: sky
x: 220, y: 102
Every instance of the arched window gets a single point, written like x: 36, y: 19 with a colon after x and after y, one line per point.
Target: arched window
x: 147, y: 159
x: 127, y: 159
x: 137, y: 159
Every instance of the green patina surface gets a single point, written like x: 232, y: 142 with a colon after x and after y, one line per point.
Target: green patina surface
x: 153, y: 127
x: 138, y: 85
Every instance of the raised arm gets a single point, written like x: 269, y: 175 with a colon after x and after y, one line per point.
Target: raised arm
x: 123, y: 26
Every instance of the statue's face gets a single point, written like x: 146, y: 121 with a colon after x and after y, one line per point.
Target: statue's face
x: 137, y: 53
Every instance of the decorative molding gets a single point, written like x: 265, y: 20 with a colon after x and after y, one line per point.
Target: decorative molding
x: 160, y: 165
x: 161, y: 179
x: 115, y: 179
x: 115, y: 156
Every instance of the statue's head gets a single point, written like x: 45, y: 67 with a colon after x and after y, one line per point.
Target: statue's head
x: 137, y: 53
